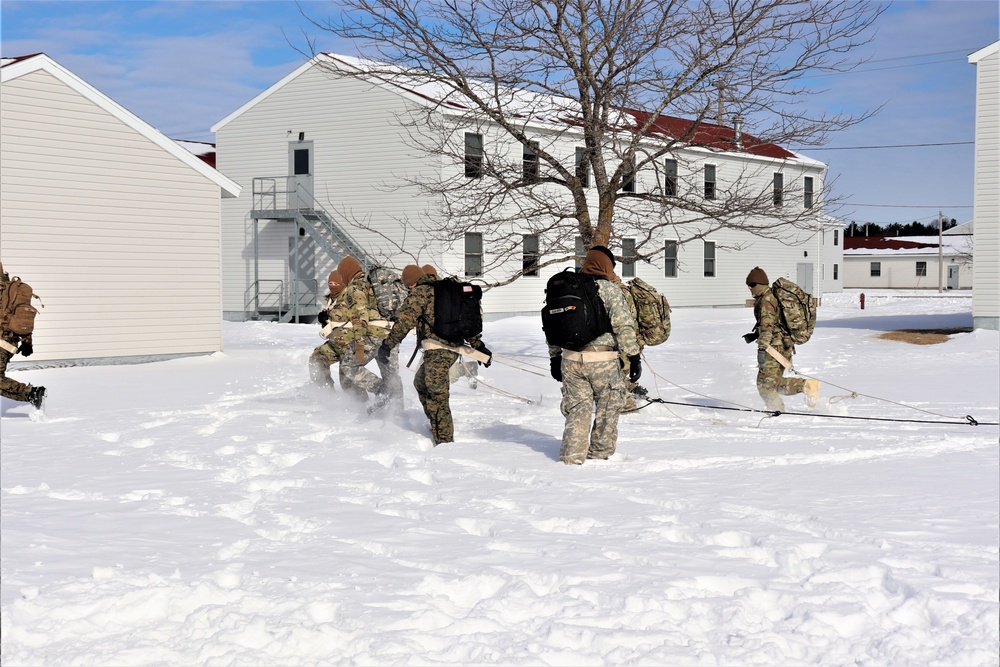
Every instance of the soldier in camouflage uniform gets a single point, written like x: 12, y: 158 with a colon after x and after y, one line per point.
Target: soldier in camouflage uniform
x: 432, y: 381
x: 593, y: 381
x: 329, y: 353
x: 11, y: 344
x: 630, y: 386
x: 361, y: 338
x: 770, y: 331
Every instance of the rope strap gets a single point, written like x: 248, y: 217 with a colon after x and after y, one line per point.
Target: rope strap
x: 465, y: 350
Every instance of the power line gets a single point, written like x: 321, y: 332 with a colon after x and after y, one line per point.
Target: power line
x: 881, y: 69
x: 924, y: 55
x: 852, y: 204
x: 858, y: 148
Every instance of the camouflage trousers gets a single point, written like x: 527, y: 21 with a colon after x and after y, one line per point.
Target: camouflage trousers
x: 591, y: 388
x: 358, y: 381
x: 9, y: 388
x: 320, y: 361
x: 771, y: 381
x: 433, y: 385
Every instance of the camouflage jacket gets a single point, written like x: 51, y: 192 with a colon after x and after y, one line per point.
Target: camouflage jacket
x: 770, y: 328
x: 418, y: 311
x: 357, y: 306
x: 338, y: 335
x: 629, y: 299
x: 622, y: 336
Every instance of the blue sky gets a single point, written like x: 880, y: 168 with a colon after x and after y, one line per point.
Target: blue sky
x: 182, y: 66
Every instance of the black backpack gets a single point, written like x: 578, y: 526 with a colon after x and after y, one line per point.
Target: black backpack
x: 458, y: 312
x: 574, y: 314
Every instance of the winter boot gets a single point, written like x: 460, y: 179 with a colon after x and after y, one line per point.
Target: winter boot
x: 811, y: 390
x: 37, y: 397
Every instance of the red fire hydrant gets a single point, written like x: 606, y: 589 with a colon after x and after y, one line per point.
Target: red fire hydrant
x: 862, y: 301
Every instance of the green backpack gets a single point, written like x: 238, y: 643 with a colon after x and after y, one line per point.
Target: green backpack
x: 652, y: 313
x: 798, y: 309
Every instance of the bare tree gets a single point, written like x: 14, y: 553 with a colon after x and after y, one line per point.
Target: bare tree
x: 618, y: 76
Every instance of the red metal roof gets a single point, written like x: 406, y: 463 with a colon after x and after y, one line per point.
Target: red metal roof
x: 708, y: 135
x: 882, y: 243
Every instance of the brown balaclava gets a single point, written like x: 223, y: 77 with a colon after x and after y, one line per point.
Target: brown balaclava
x: 759, y: 280
x: 348, y: 269
x: 429, y: 270
x: 757, y: 276
x: 336, y: 283
x: 599, y: 262
x: 411, y: 274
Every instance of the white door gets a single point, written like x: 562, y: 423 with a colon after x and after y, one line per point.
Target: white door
x: 953, y: 276
x: 804, y: 276
x: 300, y: 174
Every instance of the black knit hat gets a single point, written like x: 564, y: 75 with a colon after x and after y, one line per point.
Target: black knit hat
x: 607, y: 252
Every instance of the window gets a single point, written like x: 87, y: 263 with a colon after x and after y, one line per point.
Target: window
x: 807, y: 193
x: 579, y: 252
x: 473, y: 155
x: 670, y: 178
x: 473, y: 254
x: 583, y: 167
x: 709, y: 181
x: 529, y: 163
x: 628, y: 177
x: 709, y: 259
x: 300, y: 161
x: 628, y: 258
x: 836, y: 237
x: 529, y: 255
x: 921, y: 269
x: 876, y: 269
x: 670, y: 259
x: 779, y: 189
x: 836, y: 271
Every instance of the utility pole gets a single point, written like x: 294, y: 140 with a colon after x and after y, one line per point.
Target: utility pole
x: 940, y: 252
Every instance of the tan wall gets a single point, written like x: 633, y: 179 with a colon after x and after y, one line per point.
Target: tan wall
x: 120, y: 238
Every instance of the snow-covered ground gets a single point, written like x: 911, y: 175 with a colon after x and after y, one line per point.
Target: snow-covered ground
x: 222, y: 511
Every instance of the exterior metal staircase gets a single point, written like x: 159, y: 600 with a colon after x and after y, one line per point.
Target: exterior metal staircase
x: 280, y: 198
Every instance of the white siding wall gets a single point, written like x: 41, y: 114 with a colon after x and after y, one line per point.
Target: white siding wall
x: 736, y: 253
x: 360, y: 147
x: 901, y: 272
x: 986, y: 293
x: 120, y: 238
x: 358, y: 150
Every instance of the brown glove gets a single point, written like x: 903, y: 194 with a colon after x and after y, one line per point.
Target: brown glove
x: 359, y: 352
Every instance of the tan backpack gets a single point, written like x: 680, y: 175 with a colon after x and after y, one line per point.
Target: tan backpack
x: 652, y: 313
x: 17, y: 315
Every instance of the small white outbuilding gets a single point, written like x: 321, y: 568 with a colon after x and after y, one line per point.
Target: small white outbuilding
x: 113, y: 224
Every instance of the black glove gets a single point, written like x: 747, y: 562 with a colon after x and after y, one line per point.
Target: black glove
x: 555, y: 367
x: 761, y: 356
x: 751, y: 337
x: 323, y: 318
x: 382, y: 356
x: 480, y: 347
x: 634, y: 368
x: 26, y: 349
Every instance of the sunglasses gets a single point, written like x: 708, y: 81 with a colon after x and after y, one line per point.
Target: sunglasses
x: 751, y: 285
